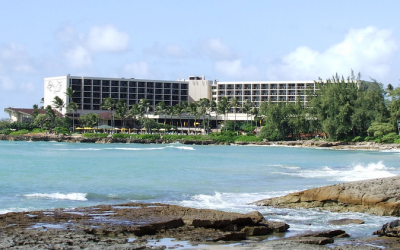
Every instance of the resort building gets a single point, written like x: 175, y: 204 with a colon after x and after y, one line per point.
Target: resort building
x: 89, y: 93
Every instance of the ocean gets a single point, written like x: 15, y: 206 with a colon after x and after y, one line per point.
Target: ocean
x: 46, y: 175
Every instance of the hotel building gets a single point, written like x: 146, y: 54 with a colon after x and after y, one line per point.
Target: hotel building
x: 89, y: 92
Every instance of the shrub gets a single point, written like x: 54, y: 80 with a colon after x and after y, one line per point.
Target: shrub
x: 390, y: 138
x: 224, y: 139
x: 61, y: 131
x: 124, y: 136
x: 250, y: 138
x: 20, y: 132
x: 95, y: 135
x: 38, y: 130
x: 149, y: 137
x: 357, y: 139
x: 6, y: 131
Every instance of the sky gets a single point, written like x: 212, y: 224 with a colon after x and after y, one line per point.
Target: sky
x: 228, y: 40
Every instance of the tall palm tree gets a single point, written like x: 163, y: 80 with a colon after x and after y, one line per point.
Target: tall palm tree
x: 69, y: 93
x: 121, y: 110
x: 246, y: 109
x: 109, y: 104
x: 203, y: 108
x: 234, y: 104
x: 178, y: 110
x: 160, y: 109
x: 134, y: 112
x: 213, y: 108
x: 72, y: 107
x: 58, y: 103
x: 144, y: 106
x: 223, y: 108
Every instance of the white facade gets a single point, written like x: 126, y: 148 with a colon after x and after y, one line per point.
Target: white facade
x: 90, y: 91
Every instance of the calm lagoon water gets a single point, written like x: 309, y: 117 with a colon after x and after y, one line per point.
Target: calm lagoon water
x: 45, y: 175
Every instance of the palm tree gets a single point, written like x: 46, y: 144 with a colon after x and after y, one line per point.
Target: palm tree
x: 72, y: 107
x: 246, y: 109
x: 134, y: 112
x: 121, y: 111
x: 58, y: 103
x: 109, y: 104
x: 178, y: 110
x: 223, y: 108
x: 170, y: 111
x: 203, y: 107
x: 160, y: 109
x: 70, y: 92
x: 192, y: 110
x: 144, y: 107
x: 234, y: 104
x: 213, y: 108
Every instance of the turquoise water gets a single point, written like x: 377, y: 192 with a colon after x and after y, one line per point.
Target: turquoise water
x: 44, y: 175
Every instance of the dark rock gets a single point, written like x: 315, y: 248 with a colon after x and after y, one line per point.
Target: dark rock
x: 345, y: 221
x: 277, y: 226
x: 312, y: 240
x: 391, y: 229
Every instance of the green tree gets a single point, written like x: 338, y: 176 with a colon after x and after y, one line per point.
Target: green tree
x: 234, y: 104
x: 109, y: 104
x: 72, y: 107
x: 89, y: 119
x: 121, y: 111
x: 178, y: 110
x: 223, y: 108
x: 58, y: 103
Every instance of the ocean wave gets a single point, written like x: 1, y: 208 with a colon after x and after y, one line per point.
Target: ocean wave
x: 355, y: 172
x: 227, y: 201
x: 59, y: 196
x: 180, y: 147
x: 135, y: 149
x: 80, y: 149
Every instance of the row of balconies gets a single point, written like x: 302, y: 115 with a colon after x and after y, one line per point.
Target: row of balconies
x: 239, y: 93
x: 258, y: 86
x: 107, y: 83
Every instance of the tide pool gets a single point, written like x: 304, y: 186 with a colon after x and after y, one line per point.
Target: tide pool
x: 45, y: 175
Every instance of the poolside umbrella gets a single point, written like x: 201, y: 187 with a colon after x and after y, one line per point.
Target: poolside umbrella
x: 105, y: 127
x: 79, y: 128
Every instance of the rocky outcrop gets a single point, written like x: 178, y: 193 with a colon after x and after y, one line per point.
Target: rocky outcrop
x: 391, y: 229
x: 138, y: 220
x: 377, y: 196
x: 345, y: 221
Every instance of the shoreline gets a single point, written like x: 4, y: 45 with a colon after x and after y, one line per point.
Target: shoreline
x: 305, y: 143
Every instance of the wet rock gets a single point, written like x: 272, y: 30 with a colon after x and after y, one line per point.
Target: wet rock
x: 391, y: 229
x: 277, y: 226
x: 345, y: 221
x: 376, y: 196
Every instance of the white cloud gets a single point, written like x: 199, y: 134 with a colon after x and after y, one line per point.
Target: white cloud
x: 169, y: 50
x: 13, y: 57
x: 217, y: 51
x: 78, y: 57
x: 6, y: 83
x: 80, y: 49
x: 27, y: 87
x: 137, y: 69
x: 236, y: 70
x: 367, y: 50
x: 106, y: 39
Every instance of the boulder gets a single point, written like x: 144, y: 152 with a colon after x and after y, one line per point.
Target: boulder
x: 345, y: 221
x: 376, y: 196
x: 391, y: 229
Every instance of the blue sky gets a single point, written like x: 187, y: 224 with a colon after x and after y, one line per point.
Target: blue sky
x: 226, y: 40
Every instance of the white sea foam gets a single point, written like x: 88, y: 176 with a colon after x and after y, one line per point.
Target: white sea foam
x: 58, y: 196
x: 181, y: 147
x: 136, y: 149
x: 81, y: 149
x: 228, y: 201
x: 354, y: 172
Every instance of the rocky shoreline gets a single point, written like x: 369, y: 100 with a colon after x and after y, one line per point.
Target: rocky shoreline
x: 146, y: 226
x: 305, y: 143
